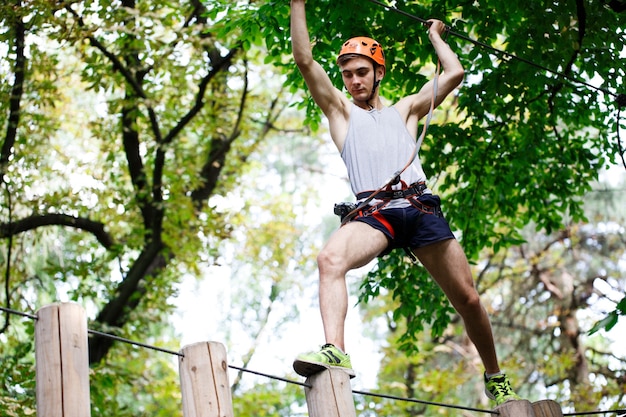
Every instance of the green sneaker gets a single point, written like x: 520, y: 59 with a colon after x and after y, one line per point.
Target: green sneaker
x: 498, y: 388
x: 329, y: 356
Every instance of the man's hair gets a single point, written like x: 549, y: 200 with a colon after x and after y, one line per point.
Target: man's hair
x: 347, y: 57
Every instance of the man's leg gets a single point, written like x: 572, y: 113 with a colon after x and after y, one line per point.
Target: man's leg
x: 351, y: 246
x: 448, y: 265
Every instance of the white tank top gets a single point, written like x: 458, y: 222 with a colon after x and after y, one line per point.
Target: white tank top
x: 377, y: 145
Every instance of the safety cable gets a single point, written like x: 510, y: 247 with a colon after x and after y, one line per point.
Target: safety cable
x: 424, y: 402
x: 620, y: 98
x: 509, y: 55
x: 619, y: 412
x: 418, y: 144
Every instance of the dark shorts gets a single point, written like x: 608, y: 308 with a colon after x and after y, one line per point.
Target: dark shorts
x: 412, y: 227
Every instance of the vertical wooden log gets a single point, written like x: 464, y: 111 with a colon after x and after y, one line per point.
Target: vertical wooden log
x: 330, y: 394
x: 204, y: 380
x: 547, y: 408
x: 62, y: 361
x: 518, y: 408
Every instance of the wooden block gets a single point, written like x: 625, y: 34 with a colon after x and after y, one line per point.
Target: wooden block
x: 517, y: 408
x: 330, y: 394
x: 62, y: 361
x: 204, y: 381
x: 547, y: 408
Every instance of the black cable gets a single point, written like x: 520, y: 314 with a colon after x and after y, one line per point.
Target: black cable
x: 509, y: 55
x: 304, y: 384
x: 18, y: 313
x: 588, y: 413
x: 392, y: 397
x: 414, y: 400
x: 132, y: 342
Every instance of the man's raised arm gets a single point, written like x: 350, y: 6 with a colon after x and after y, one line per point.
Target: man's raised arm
x: 327, y: 97
x: 451, y: 76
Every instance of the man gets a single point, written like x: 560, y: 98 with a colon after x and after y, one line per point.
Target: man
x: 374, y: 141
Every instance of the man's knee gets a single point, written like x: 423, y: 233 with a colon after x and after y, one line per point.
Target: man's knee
x: 328, y: 260
x: 467, y: 302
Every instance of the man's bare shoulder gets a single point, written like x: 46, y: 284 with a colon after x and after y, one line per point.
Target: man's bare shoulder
x: 404, y: 106
x: 339, y: 120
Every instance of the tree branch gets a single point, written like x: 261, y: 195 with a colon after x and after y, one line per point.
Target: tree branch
x: 217, y: 154
x: 57, y: 219
x: 17, y: 91
x: 224, y: 62
x: 127, y: 297
x: 117, y: 64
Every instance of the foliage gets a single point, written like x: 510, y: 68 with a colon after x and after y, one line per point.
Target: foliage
x: 543, y: 296
x: 18, y: 374
x: 535, y: 118
x: 610, y: 320
x: 263, y: 401
x: 125, y: 123
x: 417, y: 299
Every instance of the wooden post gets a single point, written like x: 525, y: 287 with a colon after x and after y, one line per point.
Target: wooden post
x: 330, y: 394
x: 517, y: 408
x: 204, y: 380
x: 62, y: 361
x: 547, y: 408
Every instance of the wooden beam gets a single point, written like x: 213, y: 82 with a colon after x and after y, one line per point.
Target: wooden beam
x: 547, y: 408
x: 204, y: 380
x: 518, y: 408
x: 330, y: 394
x: 62, y: 361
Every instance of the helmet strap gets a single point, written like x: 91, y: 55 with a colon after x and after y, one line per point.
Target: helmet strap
x: 374, y: 87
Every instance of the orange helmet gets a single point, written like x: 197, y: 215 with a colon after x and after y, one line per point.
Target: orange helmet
x: 364, y: 46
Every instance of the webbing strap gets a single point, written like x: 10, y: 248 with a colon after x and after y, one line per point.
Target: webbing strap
x: 415, y: 189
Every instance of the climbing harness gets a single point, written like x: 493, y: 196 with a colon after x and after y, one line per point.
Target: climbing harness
x: 415, y: 189
x: 395, y: 177
x: 411, y: 193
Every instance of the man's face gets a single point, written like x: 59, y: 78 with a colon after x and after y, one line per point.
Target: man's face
x: 358, y: 77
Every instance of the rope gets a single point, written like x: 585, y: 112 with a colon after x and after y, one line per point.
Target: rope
x: 132, y: 342
x: 413, y: 400
x: 18, y: 313
x: 303, y: 384
x: 588, y: 413
x: 501, y: 52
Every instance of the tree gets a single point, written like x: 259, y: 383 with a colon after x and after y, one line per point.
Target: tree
x: 121, y: 121
x: 187, y: 128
